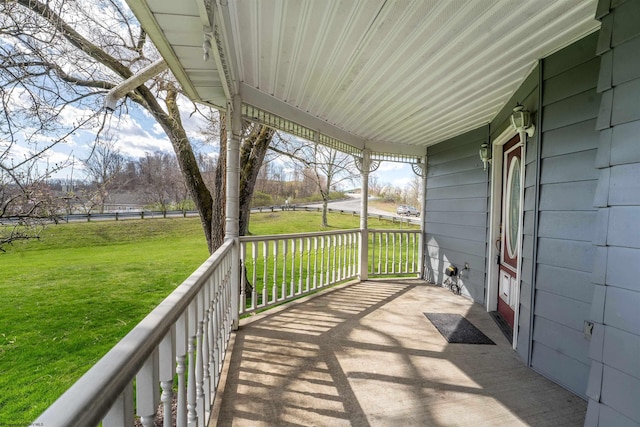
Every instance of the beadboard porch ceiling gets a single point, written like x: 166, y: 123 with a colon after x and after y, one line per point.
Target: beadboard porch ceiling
x: 394, y: 76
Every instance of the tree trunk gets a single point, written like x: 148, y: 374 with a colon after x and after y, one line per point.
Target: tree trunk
x: 325, y: 208
x: 252, y: 154
x: 218, y: 219
x: 172, y: 125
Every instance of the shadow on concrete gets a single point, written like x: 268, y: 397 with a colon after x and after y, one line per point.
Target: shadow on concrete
x: 365, y: 354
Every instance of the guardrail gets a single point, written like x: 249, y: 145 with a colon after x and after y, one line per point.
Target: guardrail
x: 107, y: 216
x: 127, y: 215
x: 389, y: 217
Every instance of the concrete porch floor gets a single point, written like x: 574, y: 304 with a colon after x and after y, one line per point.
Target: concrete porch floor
x: 365, y: 355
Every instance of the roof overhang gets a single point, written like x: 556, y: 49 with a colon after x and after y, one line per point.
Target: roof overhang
x: 390, y: 76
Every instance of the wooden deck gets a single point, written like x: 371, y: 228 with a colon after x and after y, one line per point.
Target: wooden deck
x: 365, y: 355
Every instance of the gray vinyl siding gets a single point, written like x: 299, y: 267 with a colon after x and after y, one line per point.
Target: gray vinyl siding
x: 566, y: 216
x: 614, y: 380
x: 456, y: 215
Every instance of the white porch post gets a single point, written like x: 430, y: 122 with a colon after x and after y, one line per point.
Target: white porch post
x: 364, y: 215
x: 232, y: 225
x: 423, y: 211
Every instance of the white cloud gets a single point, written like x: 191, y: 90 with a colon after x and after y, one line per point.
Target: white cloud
x: 401, y: 182
x: 132, y: 137
x: 72, y: 116
x: 157, y: 129
x: 391, y: 166
x: 394, y: 174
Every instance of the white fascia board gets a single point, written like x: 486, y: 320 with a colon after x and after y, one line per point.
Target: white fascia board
x: 211, y: 27
x: 141, y: 10
x: 263, y: 101
x: 223, y: 19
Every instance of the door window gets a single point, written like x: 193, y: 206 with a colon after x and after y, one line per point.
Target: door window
x: 513, y: 207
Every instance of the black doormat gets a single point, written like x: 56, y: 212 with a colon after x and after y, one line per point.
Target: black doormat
x: 456, y: 329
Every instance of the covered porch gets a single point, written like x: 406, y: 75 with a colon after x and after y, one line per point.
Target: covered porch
x: 430, y: 84
x: 365, y: 354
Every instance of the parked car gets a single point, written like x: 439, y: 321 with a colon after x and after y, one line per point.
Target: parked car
x: 407, y: 210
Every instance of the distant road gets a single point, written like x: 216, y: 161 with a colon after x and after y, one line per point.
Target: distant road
x: 353, y: 204
x: 349, y: 205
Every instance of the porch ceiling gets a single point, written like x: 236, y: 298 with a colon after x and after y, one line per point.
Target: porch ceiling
x: 391, y: 75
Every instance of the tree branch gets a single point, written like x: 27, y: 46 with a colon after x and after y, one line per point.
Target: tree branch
x: 75, y: 38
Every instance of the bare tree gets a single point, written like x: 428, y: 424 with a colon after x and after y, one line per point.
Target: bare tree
x: 331, y: 168
x: 27, y: 203
x: 105, y: 167
x: 160, y: 179
x: 63, y: 56
x: 375, y: 186
x: 326, y: 167
x: 413, y: 190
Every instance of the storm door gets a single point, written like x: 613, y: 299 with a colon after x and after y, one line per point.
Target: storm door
x: 510, y: 222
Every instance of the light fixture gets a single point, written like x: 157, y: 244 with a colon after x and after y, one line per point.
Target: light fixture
x: 521, y: 122
x: 485, y: 154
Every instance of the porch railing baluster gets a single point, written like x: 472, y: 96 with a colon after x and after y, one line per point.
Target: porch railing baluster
x: 122, y: 412
x: 301, y: 264
x: 211, y: 340
x: 275, y: 271
x: 285, y: 252
x: 292, y: 291
x: 321, y: 284
x: 339, y: 249
x: 200, y: 374
x: 380, y: 253
x: 349, y: 254
x: 206, y: 372
x: 356, y: 252
x: 181, y: 369
x: 372, y: 254
x: 167, y: 362
x: 265, y: 282
x: 315, y: 262
x: 386, y: 262
x: 254, y: 276
x: 406, y: 256
x: 400, y: 252
x: 334, y: 251
x: 147, y: 393
x: 308, y: 281
x: 243, y: 277
x: 192, y: 416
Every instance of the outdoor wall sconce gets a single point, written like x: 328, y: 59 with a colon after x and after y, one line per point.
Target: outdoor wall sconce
x: 485, y: 154
x: 521, y: 122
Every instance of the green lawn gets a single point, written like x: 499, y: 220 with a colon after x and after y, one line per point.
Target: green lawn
x: 68, y: 298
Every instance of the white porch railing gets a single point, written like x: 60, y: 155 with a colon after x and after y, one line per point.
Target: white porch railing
x: 394, y: 252
x: 282, y: 267
x: 187, y: 335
